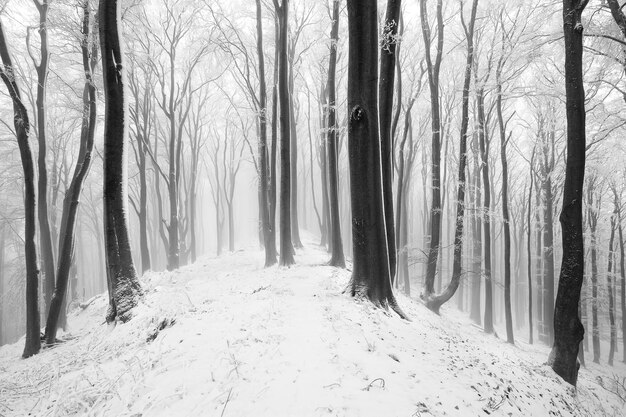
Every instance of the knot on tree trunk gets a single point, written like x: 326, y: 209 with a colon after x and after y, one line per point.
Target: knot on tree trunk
x: 357, y: 113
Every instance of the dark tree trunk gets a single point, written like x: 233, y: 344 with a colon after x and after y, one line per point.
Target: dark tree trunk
x: 388, y: 48
x: 45, y: 234
x: 433, y: 301
x: 370, y: 275
x: 433, y: 82
x: 268, y: 243
x: 476, y: 240
x: 623, y: 289
x: 273, y: 151
x: 609, y: 283
x: 482, y: 135
x: 548, y: 255
x: 337, y: 258
x: 3, y: 241
x: 326, y: 222
x: 568, y: 330
x: 124, y: 286
x: 70, y: 203
x: 293, y: 163
x: 505, y: 210
x: 286, y: 246
x: 592, y: 218
x: 22, y: 128
x: 529, y: 252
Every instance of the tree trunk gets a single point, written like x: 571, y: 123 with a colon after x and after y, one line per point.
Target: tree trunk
x: 433, y: 82
x: 388, y: 48
x: 124, y: 287
x: 273, y: 151
x: 505, y: 211
x: 482, y: 135
x: 22, y: 128
x: 268, y: 243
x: 529, y: 252
x: 548, y: 255
x: 71, y: 200
x: 433, y: 301
x: 370, y: 275
x: 337, y: 259
x: 609, y: 283
x: 293, y: 163
x: 45, y: 234
x: 286, y: 247
x: 476, y: 240
x: 568, y: 330
x: 623, y: 289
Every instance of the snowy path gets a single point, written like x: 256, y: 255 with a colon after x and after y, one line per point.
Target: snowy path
x: 249, y: 341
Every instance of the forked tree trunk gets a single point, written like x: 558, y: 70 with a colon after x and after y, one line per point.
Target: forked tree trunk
x: 388, y: 48
x: 124, y: 287
x: 70, y: 203
x: 22, y: 128
x: 337, y: 258
x: 370, y: 275
x: 45, y: 234
x: 268, y: 243
x: 433, y: 82
x: 433, y: 301
x: 568, y: 330
x: 286, y: 246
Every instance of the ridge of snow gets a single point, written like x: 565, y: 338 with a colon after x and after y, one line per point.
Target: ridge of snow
x: 248, y: 341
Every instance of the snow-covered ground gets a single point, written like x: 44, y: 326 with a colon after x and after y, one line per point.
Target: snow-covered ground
x: 248, y: 341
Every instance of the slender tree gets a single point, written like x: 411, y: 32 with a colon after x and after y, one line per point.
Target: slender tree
x: 568, y: 330
x: 70, y: 203
x: 337, y: 258
x: 388, y: 59
x: 268, y: 243
x: 42, y: 69
x: 124, y: 287
x: 286, y: 246
x: 433, y: 301
x: 433, y: 68
x: 22, y: 131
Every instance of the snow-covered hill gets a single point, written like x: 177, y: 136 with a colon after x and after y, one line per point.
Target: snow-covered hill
x: 240, y: 340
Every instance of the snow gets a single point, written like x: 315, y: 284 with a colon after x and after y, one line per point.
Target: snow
x: 240, y: 340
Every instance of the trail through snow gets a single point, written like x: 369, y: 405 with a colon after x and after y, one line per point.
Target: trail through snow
x: 225, y: 337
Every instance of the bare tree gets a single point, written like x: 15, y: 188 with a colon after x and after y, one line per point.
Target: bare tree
x: 568, y: 330
x: 124, y: 287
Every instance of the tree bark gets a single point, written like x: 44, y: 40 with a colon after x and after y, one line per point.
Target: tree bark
x: 388, y: 58
x: 286, y: 246
x: 71, y: 200
x: 433, y: 301
x: 124, y: 287
x: 609, y: 283
x: 22, y: 129
x: 370, y: 275
x: 433, y: 82
x: 482, y: 135
x: 268, y: 243
x: 568, y: 330
x: 337, y: 259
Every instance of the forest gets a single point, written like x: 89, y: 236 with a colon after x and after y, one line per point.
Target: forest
x: 312, y: 207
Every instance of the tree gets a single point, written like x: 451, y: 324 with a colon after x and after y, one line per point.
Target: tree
x: 268, y: 241
x: 388, y: 58
x: 370, y: 275
x: 22, y: 131
x: 433, y: 82
x: 286, y: 247
x: 568, y: 330
x: 609, y: 283
x: 71, y: 200
x: 123, y: 284
x: 45, y: 235
x: 433, y: 301
x: 337, y: 258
